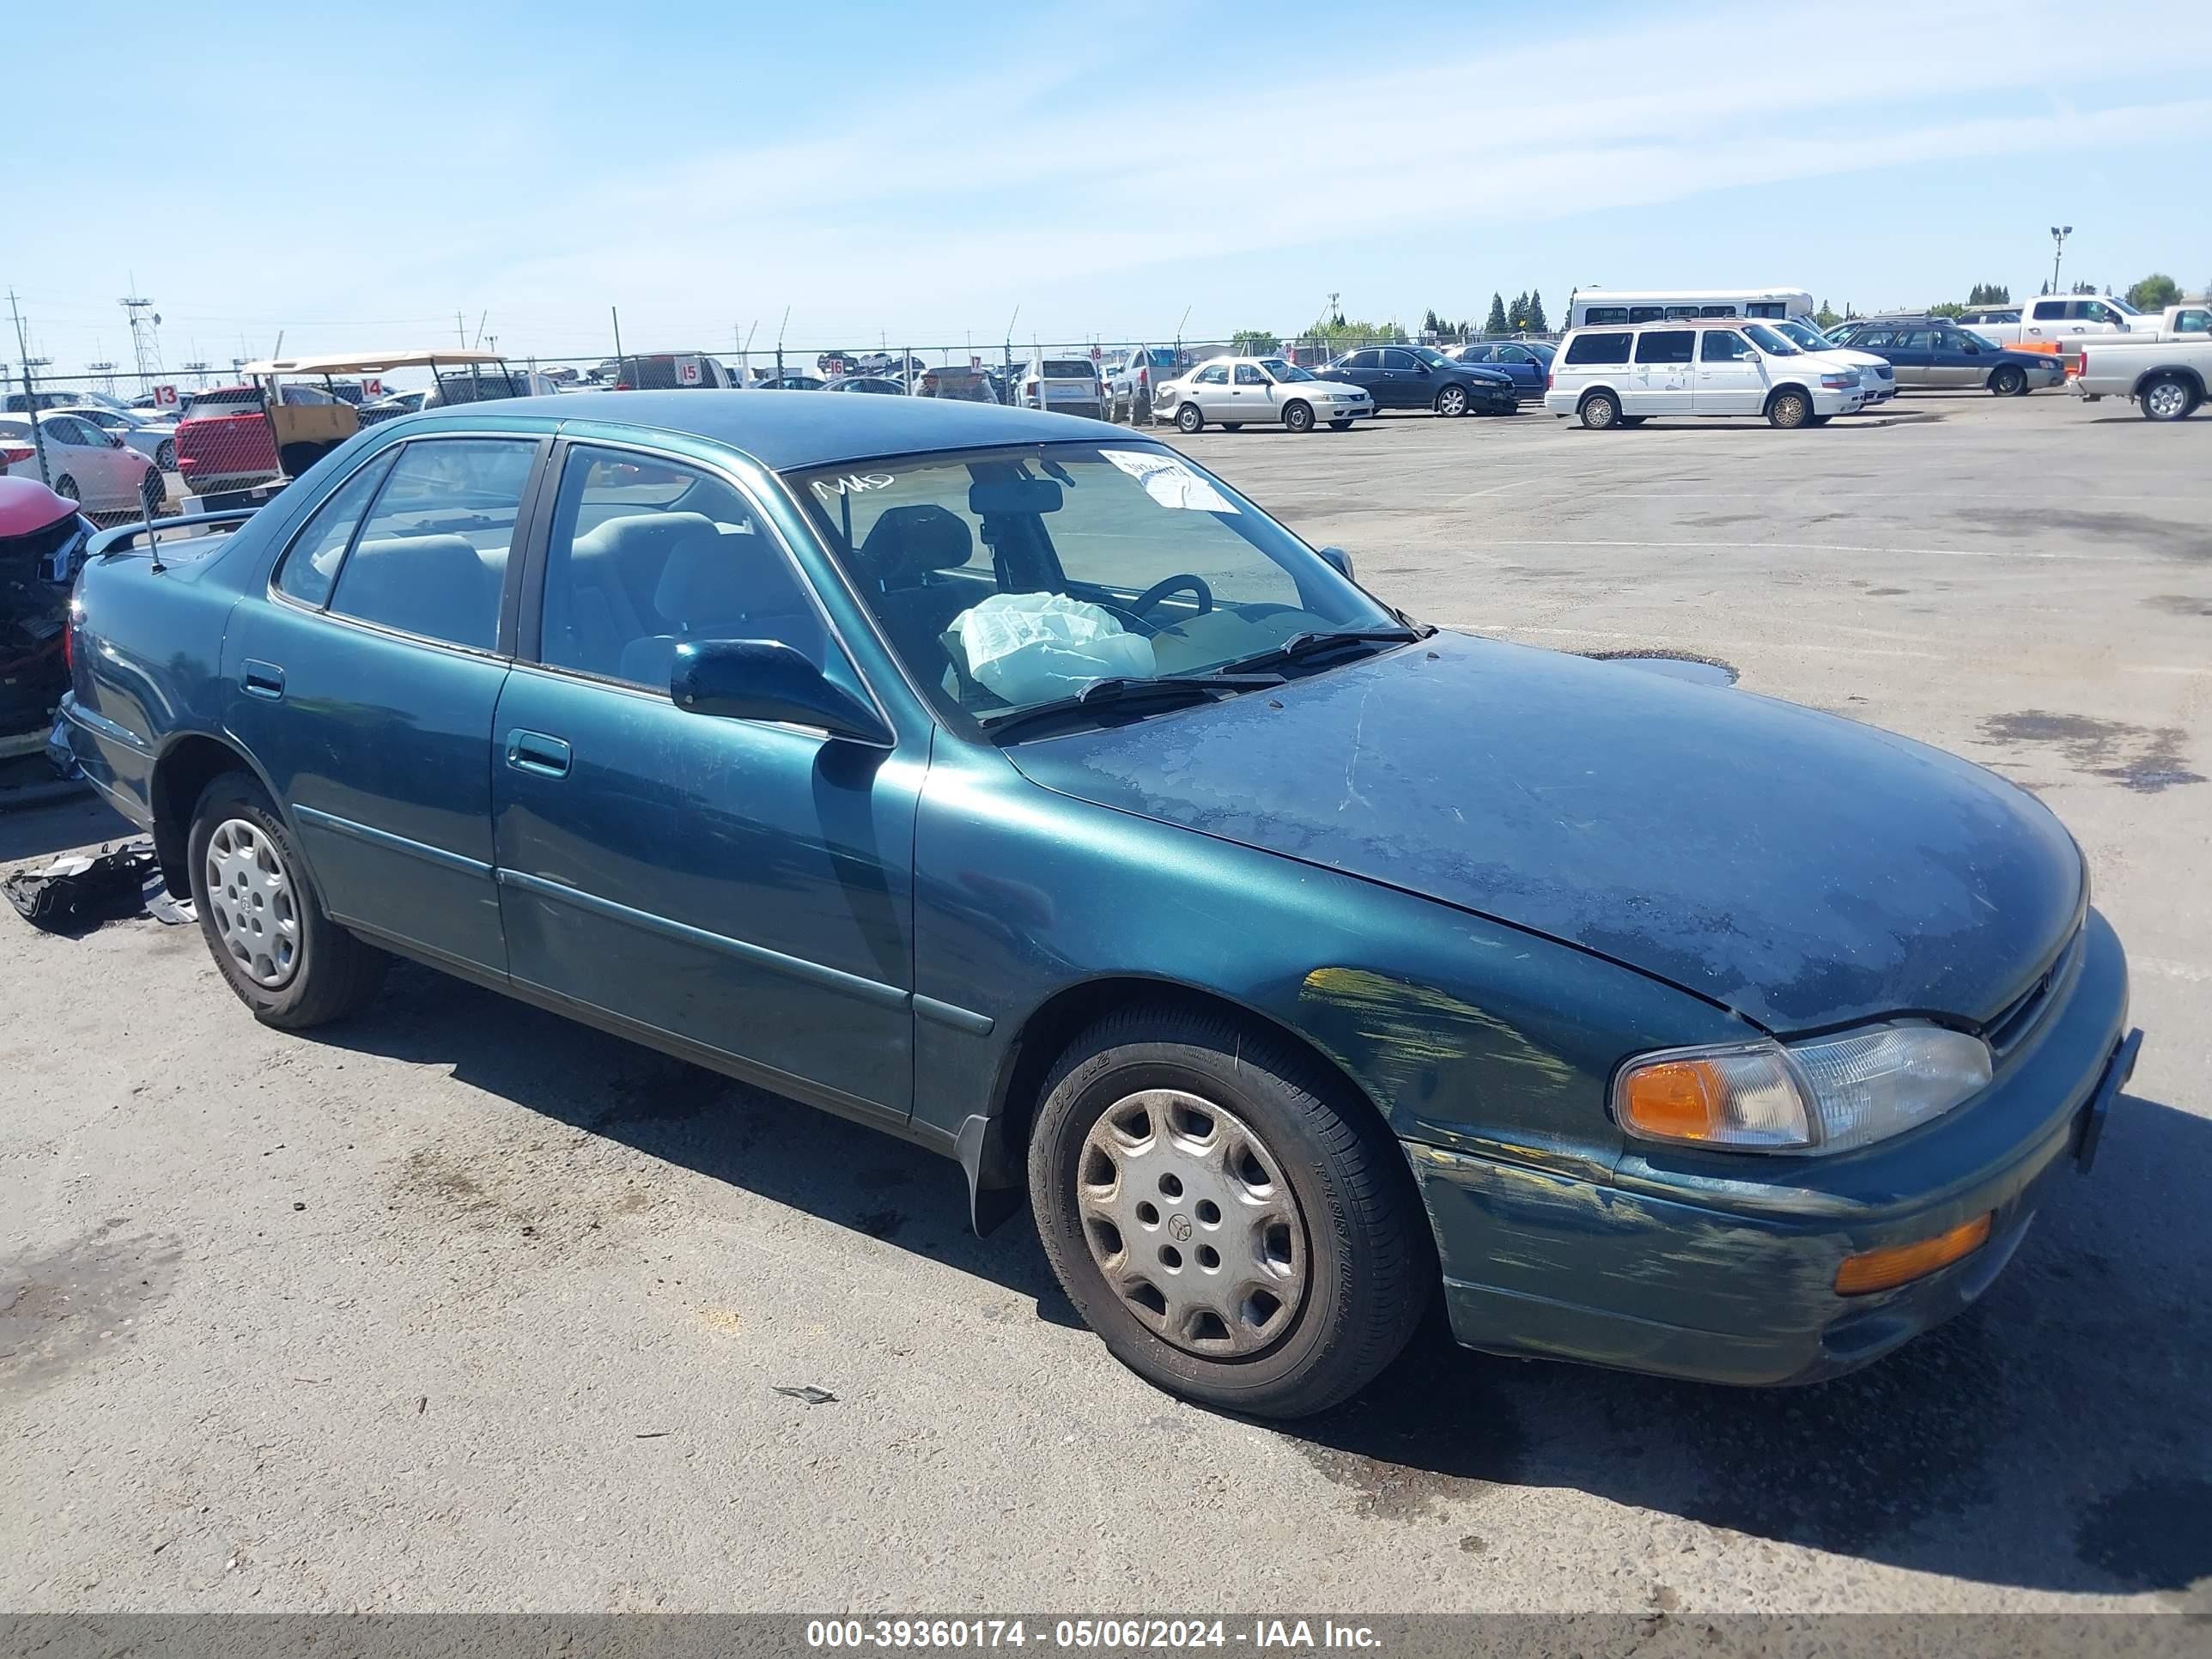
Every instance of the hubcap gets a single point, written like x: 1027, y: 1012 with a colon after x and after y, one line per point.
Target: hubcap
x: 1455, y: 401
x: 1189, y: 1219
x: 2166, y: 400
x: 249, y: 897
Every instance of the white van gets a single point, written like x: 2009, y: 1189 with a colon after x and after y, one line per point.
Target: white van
x: 1611, y: 377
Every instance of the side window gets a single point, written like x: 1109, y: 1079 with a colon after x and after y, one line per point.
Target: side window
x: 645, y: 554
x: 61, y: 429
x: 1598, y: 316
x: 1249, y: 375
x: 1211, y: 374
x: 1399, y: 362
x: 1364, y: 360
x: 1647, y: 314
x: 1915, y: 339
x: 1512, y: 354
x: 2047, y: 311
x: 432, y: 559
x: 1665, y: 345
x: 1869, y: 338
x: 1724, y: 345
x: 2096, y: 311
x: 2193, y: 322
x: 311, y: 564
x: 1716, y: 311
x: 1600, y: 349
x: 1766, y: 308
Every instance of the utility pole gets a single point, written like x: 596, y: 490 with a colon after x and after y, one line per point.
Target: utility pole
x: 30, y: 396
x: 461, y: 330
x: 2058, y: 236
x: 616, y: 316
x: 145, y: 344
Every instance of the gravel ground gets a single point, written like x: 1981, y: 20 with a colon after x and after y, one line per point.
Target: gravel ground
x: 459, y: 1306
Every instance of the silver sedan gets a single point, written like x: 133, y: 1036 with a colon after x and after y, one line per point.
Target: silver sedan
x: 153, y: 438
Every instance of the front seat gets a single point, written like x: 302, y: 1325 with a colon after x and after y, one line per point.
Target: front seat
x: 904, y: 549
x: 724, y: 587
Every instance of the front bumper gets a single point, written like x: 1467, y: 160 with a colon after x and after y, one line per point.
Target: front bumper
x: 1678, y: 1272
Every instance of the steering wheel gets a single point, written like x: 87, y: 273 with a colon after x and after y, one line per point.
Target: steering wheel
x: 1151, y: 596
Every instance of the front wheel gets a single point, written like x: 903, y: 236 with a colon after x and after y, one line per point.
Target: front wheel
x: 1601, y: 411
x: 1232, y: 1220
x: 1298, y: 417
x: 1452, y: 401
x: 285, y: 960
x: 1788, y: 410
x: 2168, y: 399
x: 65, y: 487
x: 2009, y: 382
x: 1187, y: 419
x: 165, y: 455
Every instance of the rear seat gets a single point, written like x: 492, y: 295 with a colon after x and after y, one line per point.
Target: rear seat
x: 424, y: 585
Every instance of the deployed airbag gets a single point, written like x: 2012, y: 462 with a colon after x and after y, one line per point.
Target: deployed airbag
x: 1026, y: 647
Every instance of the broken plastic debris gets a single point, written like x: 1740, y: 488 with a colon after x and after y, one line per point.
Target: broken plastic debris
x: 809, y: 1393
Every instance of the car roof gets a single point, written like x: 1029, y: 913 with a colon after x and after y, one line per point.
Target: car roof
x: 784, y: 430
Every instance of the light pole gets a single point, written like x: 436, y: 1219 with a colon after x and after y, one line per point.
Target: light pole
x: 2058, y: 236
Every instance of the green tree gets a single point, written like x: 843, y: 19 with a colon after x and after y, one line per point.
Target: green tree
x: 1825, y: 316
x: 1496, y: 322
x: 1536, y: 325
x: 1948, y: 308
x: 2085, y: 288
x: 1340, y: 335
x: 1254, y: 342
x: 1989, y: 294
x: 2154, y: 293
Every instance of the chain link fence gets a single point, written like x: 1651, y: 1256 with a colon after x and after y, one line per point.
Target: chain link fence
x: 127, y: 444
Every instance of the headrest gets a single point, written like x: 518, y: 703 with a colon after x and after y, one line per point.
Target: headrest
x: 908, y: 541
x: 713, y: 578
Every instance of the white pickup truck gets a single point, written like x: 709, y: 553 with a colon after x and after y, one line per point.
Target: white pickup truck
x: 2167, y: 377
x: 2050, y: 318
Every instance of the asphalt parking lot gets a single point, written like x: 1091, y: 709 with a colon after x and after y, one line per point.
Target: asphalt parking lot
x: 461, y: 1306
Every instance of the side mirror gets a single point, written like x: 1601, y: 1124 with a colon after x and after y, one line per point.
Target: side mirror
x: 766, y: 680
x: 1339, y: 560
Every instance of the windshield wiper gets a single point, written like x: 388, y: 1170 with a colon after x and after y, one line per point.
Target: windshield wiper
x: 1305, y: 644
x: 1124, y: 688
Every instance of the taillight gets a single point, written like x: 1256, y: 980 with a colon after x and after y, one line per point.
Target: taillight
x: 12, y: 454
x: 1549, y: 376
x: 68, y: 643
x: 622, y: 386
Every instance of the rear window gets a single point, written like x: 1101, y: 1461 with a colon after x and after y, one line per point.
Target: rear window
x: 1599, y: 349
x: 235, y: 401
x: 1067, y: 368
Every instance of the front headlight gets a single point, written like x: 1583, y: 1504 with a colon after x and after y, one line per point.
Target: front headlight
x: 1842, y: 382
x: 1830, y: 1094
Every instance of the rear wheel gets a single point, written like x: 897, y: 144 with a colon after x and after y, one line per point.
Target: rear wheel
x: 2008, y: 381
x: 1788, y: 408
x: 285, y: 960
x: 65, y: 487
x: 165, y: 455
x: 2169, y: 398
x: 1236, y: 1226
x: 1601, y: 411
x: 1298, y: 415
x: 1187, y: 419
x: 1452, y: 400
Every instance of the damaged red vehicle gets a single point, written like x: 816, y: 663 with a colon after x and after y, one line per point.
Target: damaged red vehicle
x: 42, y: 541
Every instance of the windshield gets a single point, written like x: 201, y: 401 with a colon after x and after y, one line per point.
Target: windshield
x: 1283, y: 371
x: 1009, y: 577
x: 1768, y: 340
x: 1432, y: 357
x: 2120, y: 305
x: 1805, y: 335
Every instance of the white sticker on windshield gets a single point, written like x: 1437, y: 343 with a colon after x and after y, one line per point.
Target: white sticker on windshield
x: 1169, y: 482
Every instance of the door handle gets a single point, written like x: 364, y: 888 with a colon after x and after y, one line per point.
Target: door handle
x: 263, y: 679
x: 534, y: 751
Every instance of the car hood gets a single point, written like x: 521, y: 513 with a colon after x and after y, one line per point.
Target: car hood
x: 1480, y: 371
x: 1797, y: 867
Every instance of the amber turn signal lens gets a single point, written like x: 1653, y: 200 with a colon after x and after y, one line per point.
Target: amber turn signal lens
x: 1676, y: 1100
x: 1900, y: 1264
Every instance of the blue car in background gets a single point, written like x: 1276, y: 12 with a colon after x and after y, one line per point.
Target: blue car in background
x: 1527, y: 362
x: 1006, y: 782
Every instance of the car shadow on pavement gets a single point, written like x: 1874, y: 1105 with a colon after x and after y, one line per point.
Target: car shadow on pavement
x: 843, y: 1173
x: 49, y: 826
x: 2058, y: 1436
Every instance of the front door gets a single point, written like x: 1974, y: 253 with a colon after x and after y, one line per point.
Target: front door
x: 1251, y: 395
x: 1731, y: 374
x: 1363, y: 368
x: 741, y: 886
x: 366, y: 684
x: 1660, y: 382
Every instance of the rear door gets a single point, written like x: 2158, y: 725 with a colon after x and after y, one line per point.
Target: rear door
x: 741, y: 886
x: 1913, y: 354
x: 1660, y: 380
x: 1522, y: 364
x: 2046, y: 319
x: 1362, y: 368
x: 1209, y: 389
x: 365, y: 681
x: 1731, y: 374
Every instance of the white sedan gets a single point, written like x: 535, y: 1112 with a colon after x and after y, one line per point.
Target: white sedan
x: 90, y: 466
x: 154, y: 437
x: 1235, y: 392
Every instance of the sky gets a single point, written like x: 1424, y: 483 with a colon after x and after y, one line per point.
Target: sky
x: 358, y: 178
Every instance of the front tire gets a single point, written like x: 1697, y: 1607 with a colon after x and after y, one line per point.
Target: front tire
x: 1298, y: 417
x: 1788, y: 410
x: 2009, y: 382
x: 2167, y: 399
x: 165, y: 455
x: 1451, y: 401
x: 1601, y: 411
x: 1187, y: 419
x: 65, y: 487
x: 1233, y: 1221
x: 286, y: 961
